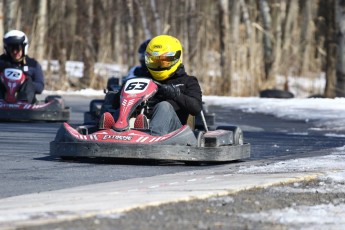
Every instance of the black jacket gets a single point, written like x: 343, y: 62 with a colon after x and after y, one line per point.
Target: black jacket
x: 189, y: 102
x: 33, y: 70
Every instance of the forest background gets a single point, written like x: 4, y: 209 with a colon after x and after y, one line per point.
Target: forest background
x: 234, y: 47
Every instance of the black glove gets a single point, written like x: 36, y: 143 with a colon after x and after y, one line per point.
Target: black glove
x: 169, y: 91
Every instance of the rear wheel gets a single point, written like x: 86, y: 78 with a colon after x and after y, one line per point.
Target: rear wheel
x: 275, y: 93
x: 94, y: 112
x: 57, y: 103
x: 51, y: 97
x: 88, y: 117
x: 113, y: 84
x: 95, y: 105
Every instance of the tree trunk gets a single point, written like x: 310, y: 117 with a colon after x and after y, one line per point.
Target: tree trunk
x: 339, y: 66
x: 268, y: 54
x: 156, y: 17
x: 143, y: 18
x: 253, y: 84
x: 117, y: 37
x: 86, y: 20
x: 130, y: 34
x: 306, y: 37
x: 192, y: 35
x: 289, y: 45
x: 278, y: 38
x: 11, y: 8
x: 224, y: 47
x: 61, y: 30
x: 41, y: 30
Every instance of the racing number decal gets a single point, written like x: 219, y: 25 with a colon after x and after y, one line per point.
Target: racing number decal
x: 13, y: 74
x: 136, y: 86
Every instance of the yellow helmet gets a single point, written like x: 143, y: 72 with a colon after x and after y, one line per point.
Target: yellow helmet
x: 163, y: 56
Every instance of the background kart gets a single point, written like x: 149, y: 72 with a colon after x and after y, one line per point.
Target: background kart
x: 123, y: 141
x: 51, y: 109
x: 13, y: 109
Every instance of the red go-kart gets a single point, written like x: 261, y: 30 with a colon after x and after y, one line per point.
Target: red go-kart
x: 122, y: 140
x: 11, y: 109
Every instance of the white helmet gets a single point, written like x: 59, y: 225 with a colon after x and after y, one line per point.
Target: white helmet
x: 16, y: 37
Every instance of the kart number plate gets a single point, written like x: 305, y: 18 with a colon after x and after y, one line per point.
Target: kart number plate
x: 13, y: 74
x: 133, y: 86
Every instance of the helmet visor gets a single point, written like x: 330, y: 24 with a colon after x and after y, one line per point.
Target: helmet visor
x: 13, y: 47
x: 163, y: 61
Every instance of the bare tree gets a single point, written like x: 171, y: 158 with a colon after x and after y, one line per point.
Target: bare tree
x: 41, y: 28
x: 156, y: 19
x: 116, y: 27
x: 239, y: 46
x: 250, y: 68
x: 192, y: 34
x: 306, y: 36
x: 280, y: 15
x: 339, y: 64
x: 130, y: 33
x: 102, y: 35
x: 143, y: 19
x: 267, y: 37
x: 224, y: 47
x: 86, y: 22
x: 11, y: 9
x: 288, y: 51
x: 61, y: 36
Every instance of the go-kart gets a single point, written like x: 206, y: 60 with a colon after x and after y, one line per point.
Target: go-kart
x: 113, y: 87
x: 185, y: 144
x: 223, y: 144
x: 11, y: 109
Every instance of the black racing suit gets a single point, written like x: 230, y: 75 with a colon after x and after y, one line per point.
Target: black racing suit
x: 34, y: 83
x: 189, y: 101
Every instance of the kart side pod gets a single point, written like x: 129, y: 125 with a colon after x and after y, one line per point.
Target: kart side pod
x: 222, y: 136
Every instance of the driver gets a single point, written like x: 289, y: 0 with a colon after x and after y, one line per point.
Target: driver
x: 15, y: 56
x: 179, y: 94
x: 139, y: 70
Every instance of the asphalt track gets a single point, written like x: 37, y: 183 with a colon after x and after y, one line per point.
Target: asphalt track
x: 36, y: 188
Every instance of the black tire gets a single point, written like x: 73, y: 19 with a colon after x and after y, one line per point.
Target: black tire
x: 193, y: 163
x: 275, y: 93
x: 113, y: 84
x: 237, y: 133
x: 51, y: 97
x: 88, y: 118
x: 95, y: 106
